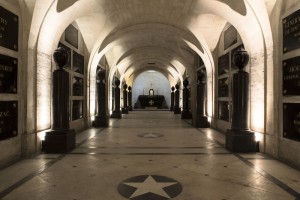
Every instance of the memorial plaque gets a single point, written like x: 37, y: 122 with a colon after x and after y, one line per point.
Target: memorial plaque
x: 9, y: 29
x: 230, y: 37
x: 291, y: 121
x: 223, y: 64
x: 223, y: 110
x: 77, y: 109
x: 77, y: 86
x: 68, y: 65
x: 291, y: 32
x: 291, y: 76
x: 8, y: 119
x: 233, y: 67
x: 71, y: 35
x: 78, y: 63
x: 8, y: 74
x: 223, y: 87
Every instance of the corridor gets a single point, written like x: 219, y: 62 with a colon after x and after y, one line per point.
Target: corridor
x: 149, y: 155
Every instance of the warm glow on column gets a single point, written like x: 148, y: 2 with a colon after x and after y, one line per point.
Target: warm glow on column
x: 257, y: 116
x: 209, y: 95
x: 258, y: 136
x: 257, y: 90
x: 43, y: 91
x: 92, y: 95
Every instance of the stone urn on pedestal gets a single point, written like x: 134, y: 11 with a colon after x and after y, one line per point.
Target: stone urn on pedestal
x: 117, y: 112
x: 186, y: 114
x: 177, y: 109
x: 172, y: 98
x: 61, y: 138
x: 240, y: 138
x: 125, y: 95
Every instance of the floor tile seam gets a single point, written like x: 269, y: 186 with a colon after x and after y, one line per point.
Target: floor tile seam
x: 154, y: 154
x: 30, y: 176
x: 210, y: 139
x: 263, y: 173
x: 270, y: 177
x: 259, y: 188
x: 89, y: 138
x: 93, y: 147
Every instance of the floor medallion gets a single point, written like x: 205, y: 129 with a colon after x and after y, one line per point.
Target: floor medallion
x: 147, y: 187
x: 150, y: 135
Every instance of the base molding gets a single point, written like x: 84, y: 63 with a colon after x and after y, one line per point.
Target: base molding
x: 202, y: 122
x: 59, y: 141
x: 240, y: 141
x: 100, y: 121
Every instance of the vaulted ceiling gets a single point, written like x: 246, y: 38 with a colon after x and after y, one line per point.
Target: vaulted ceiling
x: 168, y: 34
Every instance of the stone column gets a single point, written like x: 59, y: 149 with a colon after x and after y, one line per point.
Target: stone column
x: 125, y: 107
x: 117, y: 113
x: 101, y: 119
x: 177, y: 110
x: 172, y: 98
x: 239, y: 138
x: 61, y: 138
x: 201, y: 119
x: 185, y: 114
x: 129, y: 99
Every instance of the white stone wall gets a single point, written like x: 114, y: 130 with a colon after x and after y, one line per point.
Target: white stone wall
x: 142, y: 85
x: 12, y: 147
x: 276, y: 144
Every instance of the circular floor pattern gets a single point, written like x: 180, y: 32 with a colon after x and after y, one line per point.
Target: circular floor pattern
x: 150, y: 121
x: 147, y: 187
x: 150, y: 135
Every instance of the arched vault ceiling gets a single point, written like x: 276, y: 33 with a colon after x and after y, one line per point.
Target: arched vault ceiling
x: 115, y: 27
x: 152, y: 54
x: 143, y: 64
x: 130, y: 80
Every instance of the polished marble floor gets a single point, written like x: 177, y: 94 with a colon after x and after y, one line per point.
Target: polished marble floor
x: 150, y: 155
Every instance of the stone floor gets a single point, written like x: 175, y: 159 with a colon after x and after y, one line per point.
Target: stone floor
x: 150, y: 155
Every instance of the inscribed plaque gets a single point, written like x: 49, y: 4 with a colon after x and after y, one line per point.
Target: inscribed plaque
x: 291, y: 32
x: 223, y: 87
x: 9, y: 29
x: 77, y: 86
x: 291, y: 76
x: 223, y: 64
x: 8, y: 119
x: 78, y: 63
x: 223, y: 110
x: 77, y: 109
x: 8, y: 74
x: 291, y: 121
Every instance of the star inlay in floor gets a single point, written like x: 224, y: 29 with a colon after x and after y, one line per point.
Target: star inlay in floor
x: 150, y: 135
x: 152, y: 187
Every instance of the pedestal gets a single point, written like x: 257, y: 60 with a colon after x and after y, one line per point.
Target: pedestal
x: 242, y: 141
x: 116, y: 114
x: 125, y: 110
x: 202, y: 122
x: 59, y: 141
x: 100, y: 121
x: 177, y: 110
x: 186, y: 115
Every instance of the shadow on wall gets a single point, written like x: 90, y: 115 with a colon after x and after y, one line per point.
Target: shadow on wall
x: 237, y: 7
x: 64, y: 4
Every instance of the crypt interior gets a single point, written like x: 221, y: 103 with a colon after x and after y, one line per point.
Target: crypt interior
x: 157, y: 99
